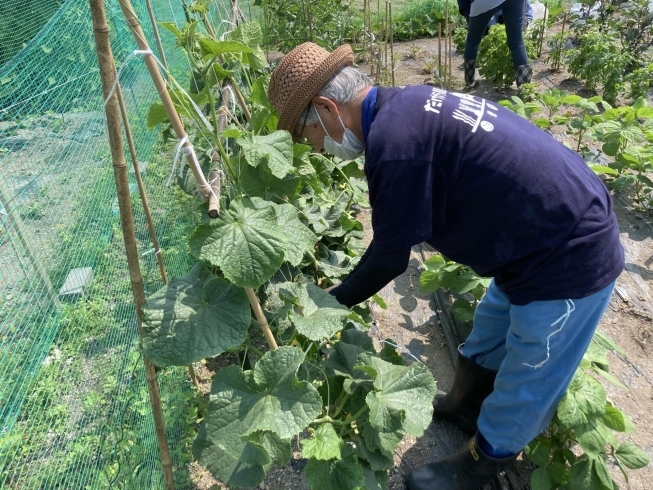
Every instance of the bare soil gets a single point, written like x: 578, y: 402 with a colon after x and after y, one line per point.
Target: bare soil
x: 413, y: 321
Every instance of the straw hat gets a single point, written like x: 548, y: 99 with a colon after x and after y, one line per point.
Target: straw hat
x: 300, y: 75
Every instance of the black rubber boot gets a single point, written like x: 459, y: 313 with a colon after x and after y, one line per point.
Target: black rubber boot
x: 470, y: 71
x: 523, y: 74
x: 469, y: 469
x: 462, y: 405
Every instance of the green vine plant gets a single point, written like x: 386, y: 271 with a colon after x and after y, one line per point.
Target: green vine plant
x: 575, y: 449
x: 287, y: 230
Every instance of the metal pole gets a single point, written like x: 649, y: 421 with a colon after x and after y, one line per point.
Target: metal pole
x: 108, y: 76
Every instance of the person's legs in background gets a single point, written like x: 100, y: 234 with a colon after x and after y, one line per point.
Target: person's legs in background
x: 513, y: 16
x: 475, y: 31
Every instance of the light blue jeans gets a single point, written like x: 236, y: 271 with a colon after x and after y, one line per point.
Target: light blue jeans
x: 536, y: 349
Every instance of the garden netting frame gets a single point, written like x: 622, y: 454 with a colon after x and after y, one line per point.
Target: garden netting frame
x: 74, y: 407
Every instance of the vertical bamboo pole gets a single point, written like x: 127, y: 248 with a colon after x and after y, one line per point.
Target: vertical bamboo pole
x: 260, y: 318
x: 539, y: 48
x: 439, y: 49
x: 310, y: 21
x: 139, y: 182
x: 392, y: 55
x: 385, y: 36
x: 450, y: 60
x: 446, y: 35
x: 157, y: 36
x: 175, y: 120
x: 146, y: 205
x: 108, y: 76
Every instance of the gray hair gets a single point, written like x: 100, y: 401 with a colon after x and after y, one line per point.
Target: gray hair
x: 341, y: 88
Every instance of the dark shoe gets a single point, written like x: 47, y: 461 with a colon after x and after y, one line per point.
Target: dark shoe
x: 523, y: 74
x: 469, y: 469
x: 462, y: 405
x: 470, y: 71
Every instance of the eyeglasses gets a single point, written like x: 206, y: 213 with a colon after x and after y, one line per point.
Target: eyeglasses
x: 297, y: 139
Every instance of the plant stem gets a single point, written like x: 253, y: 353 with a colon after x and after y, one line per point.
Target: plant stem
x: 344, y: 176
x: 342, y: 405
x: 327, y: 419
x: 351, y: 418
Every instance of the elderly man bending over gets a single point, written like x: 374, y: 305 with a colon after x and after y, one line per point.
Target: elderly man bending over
x: 490, y: 190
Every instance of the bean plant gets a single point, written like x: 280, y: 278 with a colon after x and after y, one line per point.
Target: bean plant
x: 287, y: 229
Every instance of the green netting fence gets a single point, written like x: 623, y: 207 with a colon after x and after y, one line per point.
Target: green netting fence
x: 74, y: 407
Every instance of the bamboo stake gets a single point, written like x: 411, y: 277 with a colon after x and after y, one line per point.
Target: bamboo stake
x: 446, y: 35
x: 310, y: 21
x: 439, y: 49
x: 450, y: 61
x: 144, y: 201
x: 260, y: 318
x: 539, y: 48
x: 108, y: 77
x: 155, y: 28
x: 385, y: 35
x: 160, y: 84
x: 24, y: 239
x: 139, y: 182
x: 392, y: 55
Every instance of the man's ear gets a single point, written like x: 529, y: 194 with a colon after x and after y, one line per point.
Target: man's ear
x: 325, y: 104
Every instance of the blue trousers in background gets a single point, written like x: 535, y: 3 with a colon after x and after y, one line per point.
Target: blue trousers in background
x: 513, y: 17
x: 536, y: 349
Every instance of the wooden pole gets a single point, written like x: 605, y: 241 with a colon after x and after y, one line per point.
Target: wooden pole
x: 450, y: 60
x: 159, y: 83
x: 146, y: 205
x: 108, y: 77
x: 446, y: 35
x: 392, y: 55
x: 25, y: 241
x: 539, y: 48
x: 439, y: 49
x: 157, y: 36
x: 385, y: 35
x: 141, y: 187
x: 260, y: 318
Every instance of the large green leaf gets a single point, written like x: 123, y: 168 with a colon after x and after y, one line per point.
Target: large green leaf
x: 211, y: 48
x: 582, y: 477
x: 194, y: 317
x: 400, y: 389
x: 344, y: 474
x: 325, y: 444
x: 274, y: 149
x: 631, y: 456
x: 585, y: 396
x: 320, y: 315
x: 260, y: 182
x: 269, y: 399
x: 300, y: 237
x: 246, y: 243
x: 541, y: 479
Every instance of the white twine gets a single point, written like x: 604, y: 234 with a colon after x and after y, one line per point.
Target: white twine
x: 570, y: 309
x: 190, y: 151
x: 151, y: 251
x: 136, y: 52
x: 401, y: 349
x: 233, y: 98
x: 175, y: 161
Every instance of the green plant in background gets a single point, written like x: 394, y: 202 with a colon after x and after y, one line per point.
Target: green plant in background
x: 626, y: 133
x: 288, y: 23
x: 421, y: 18
x: 556, y: 45
x: 598, y: 61
x: 494, y: 60
x: 439, y: 272
x: 579, y: 443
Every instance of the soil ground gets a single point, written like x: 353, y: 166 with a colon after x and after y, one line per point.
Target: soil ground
x: 414, y: 322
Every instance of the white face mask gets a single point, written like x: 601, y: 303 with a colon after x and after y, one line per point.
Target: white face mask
x: 350, y: 148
